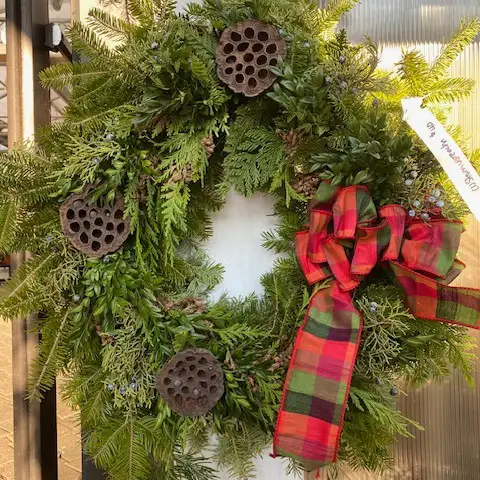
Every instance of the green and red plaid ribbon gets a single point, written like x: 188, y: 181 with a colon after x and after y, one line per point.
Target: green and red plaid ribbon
x: 347, y: 237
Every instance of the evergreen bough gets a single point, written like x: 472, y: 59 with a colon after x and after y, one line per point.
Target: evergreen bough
x: 142, y: 100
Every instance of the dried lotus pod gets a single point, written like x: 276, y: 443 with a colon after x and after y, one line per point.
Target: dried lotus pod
x: 94, y: 229
x: 245, y: 52
x: 191, y: 382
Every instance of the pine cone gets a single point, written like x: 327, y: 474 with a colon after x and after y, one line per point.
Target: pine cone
x: 252, y: 383
x: 282, y: 360
x: 208, y: 145
x: 178, y: 175
x: 189, y: 306
x: 290, y: 139
x: 169, y: 306
x: 155, y: 160
x: 187, y: 174
x: 306, y: 185
x: 228, y: 362
x: 194, y: 305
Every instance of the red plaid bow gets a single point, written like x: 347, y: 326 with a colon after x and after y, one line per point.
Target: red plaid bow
x: 347, y: 237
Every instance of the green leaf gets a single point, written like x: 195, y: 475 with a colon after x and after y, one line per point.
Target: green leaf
x: 361, y: 177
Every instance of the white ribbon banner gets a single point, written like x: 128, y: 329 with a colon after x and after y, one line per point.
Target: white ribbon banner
x: 450, y: 156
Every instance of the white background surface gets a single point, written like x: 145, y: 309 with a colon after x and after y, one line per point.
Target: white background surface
x: 237, y: 243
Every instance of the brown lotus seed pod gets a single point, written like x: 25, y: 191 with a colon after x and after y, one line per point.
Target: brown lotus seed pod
x: 245, y: 52
x: 91, y: 228
x: 191, y: 382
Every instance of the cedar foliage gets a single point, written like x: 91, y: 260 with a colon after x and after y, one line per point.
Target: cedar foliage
x: 142, y: 101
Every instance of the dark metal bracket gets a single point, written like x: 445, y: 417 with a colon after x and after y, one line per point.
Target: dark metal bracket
x: 56, y: 41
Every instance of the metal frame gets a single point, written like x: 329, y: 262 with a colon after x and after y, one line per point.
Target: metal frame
x: 61, y: 53
x: 35, y: 436
x: 56, y: 41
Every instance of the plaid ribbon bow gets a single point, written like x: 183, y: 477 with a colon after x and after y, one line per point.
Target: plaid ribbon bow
x: 347, y: 237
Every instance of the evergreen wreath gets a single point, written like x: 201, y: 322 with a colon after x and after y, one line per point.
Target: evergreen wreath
x: 149, y: 118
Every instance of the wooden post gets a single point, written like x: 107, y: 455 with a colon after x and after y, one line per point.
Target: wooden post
x: 35, y: 437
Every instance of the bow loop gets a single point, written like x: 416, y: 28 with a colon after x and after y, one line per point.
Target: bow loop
x: 432, y: 248
x: 324, y: 197
x: 396, y: 217
x: 344, y: 238
x: 320, y: 221
x: 371, y: 242
x: 339, y: 263
x: 314, y: 272
x: 353, y: 206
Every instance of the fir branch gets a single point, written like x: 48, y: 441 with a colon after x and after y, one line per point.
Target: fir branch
x: 236, y: 449
x: 450, y: 90
x: 25, y: 175
x: 95, y: 117
x: 52, y: 354
x: 125, y: 446
x: 8, y: 225
x: 143, y: 11
x: 108, y: 25
x: 393, y: 420
x: 85, y: 388
x: 203, y: 274
x: 89, y: 45
x: 104, y: 442
x: 64, y: 75
x: 236, y: 333
x: 295, y: 469
x: 147, y: 12
x: 27, y: 291
x: 415, y: 71
x: 127, y: 462
x: 97, y: 406
x: 190, y: 467
x: 329, y: 17
x: 462, y: 38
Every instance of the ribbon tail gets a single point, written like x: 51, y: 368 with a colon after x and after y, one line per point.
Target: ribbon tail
x: 431, y: 300
x: 317, y: 386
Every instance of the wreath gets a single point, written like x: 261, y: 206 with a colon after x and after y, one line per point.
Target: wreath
x: 166, y: 113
